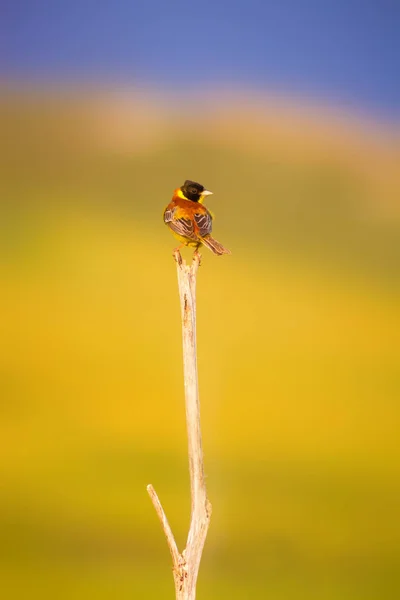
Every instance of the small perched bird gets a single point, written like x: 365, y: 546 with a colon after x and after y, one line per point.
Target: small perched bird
x: 189, y: 220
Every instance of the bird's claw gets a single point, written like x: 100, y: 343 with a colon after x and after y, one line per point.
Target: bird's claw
x: 177, y: 255
x: 197, y: 256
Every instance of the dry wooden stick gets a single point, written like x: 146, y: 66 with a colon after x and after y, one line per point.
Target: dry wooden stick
x: 186, y: 564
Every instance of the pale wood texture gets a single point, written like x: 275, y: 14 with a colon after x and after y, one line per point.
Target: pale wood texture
x: 186, y: 564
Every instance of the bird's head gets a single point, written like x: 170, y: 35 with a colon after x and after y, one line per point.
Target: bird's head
x: 191, y: 190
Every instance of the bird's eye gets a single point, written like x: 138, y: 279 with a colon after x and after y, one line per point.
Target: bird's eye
x: 194, y: 191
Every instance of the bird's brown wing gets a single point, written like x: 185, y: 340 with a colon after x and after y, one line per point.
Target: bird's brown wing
x: 182, y: 226
x: 204, y: 223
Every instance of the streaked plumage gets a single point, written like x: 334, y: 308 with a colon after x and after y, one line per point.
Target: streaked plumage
x: 189, y: 220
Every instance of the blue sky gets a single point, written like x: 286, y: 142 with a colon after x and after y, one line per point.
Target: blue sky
x: 347, y: 51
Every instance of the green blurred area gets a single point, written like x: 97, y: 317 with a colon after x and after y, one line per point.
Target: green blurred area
x: 297, y: 342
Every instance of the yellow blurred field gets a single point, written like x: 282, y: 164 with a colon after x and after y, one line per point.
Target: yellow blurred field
x: 298, y: 365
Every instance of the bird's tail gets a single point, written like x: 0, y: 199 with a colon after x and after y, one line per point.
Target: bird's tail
x: 214, y: 246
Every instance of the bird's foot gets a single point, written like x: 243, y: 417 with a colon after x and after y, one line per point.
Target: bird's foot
x: 177, y: 254
x: 197, y: 256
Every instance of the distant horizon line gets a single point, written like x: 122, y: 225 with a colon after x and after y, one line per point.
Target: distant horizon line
x: 206, y: 93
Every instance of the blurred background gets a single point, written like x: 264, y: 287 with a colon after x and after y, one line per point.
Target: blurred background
x: 289, y: 112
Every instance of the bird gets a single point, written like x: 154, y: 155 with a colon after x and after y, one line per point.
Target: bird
x: 189, y: 220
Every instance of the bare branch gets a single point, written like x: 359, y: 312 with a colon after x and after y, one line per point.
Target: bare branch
x: 165, y: 525
x: 187, y: 564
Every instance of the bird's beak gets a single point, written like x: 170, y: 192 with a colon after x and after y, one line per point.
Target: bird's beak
x: 206, y: 193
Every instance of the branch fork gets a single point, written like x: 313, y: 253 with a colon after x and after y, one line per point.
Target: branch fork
x: 187, y: 563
